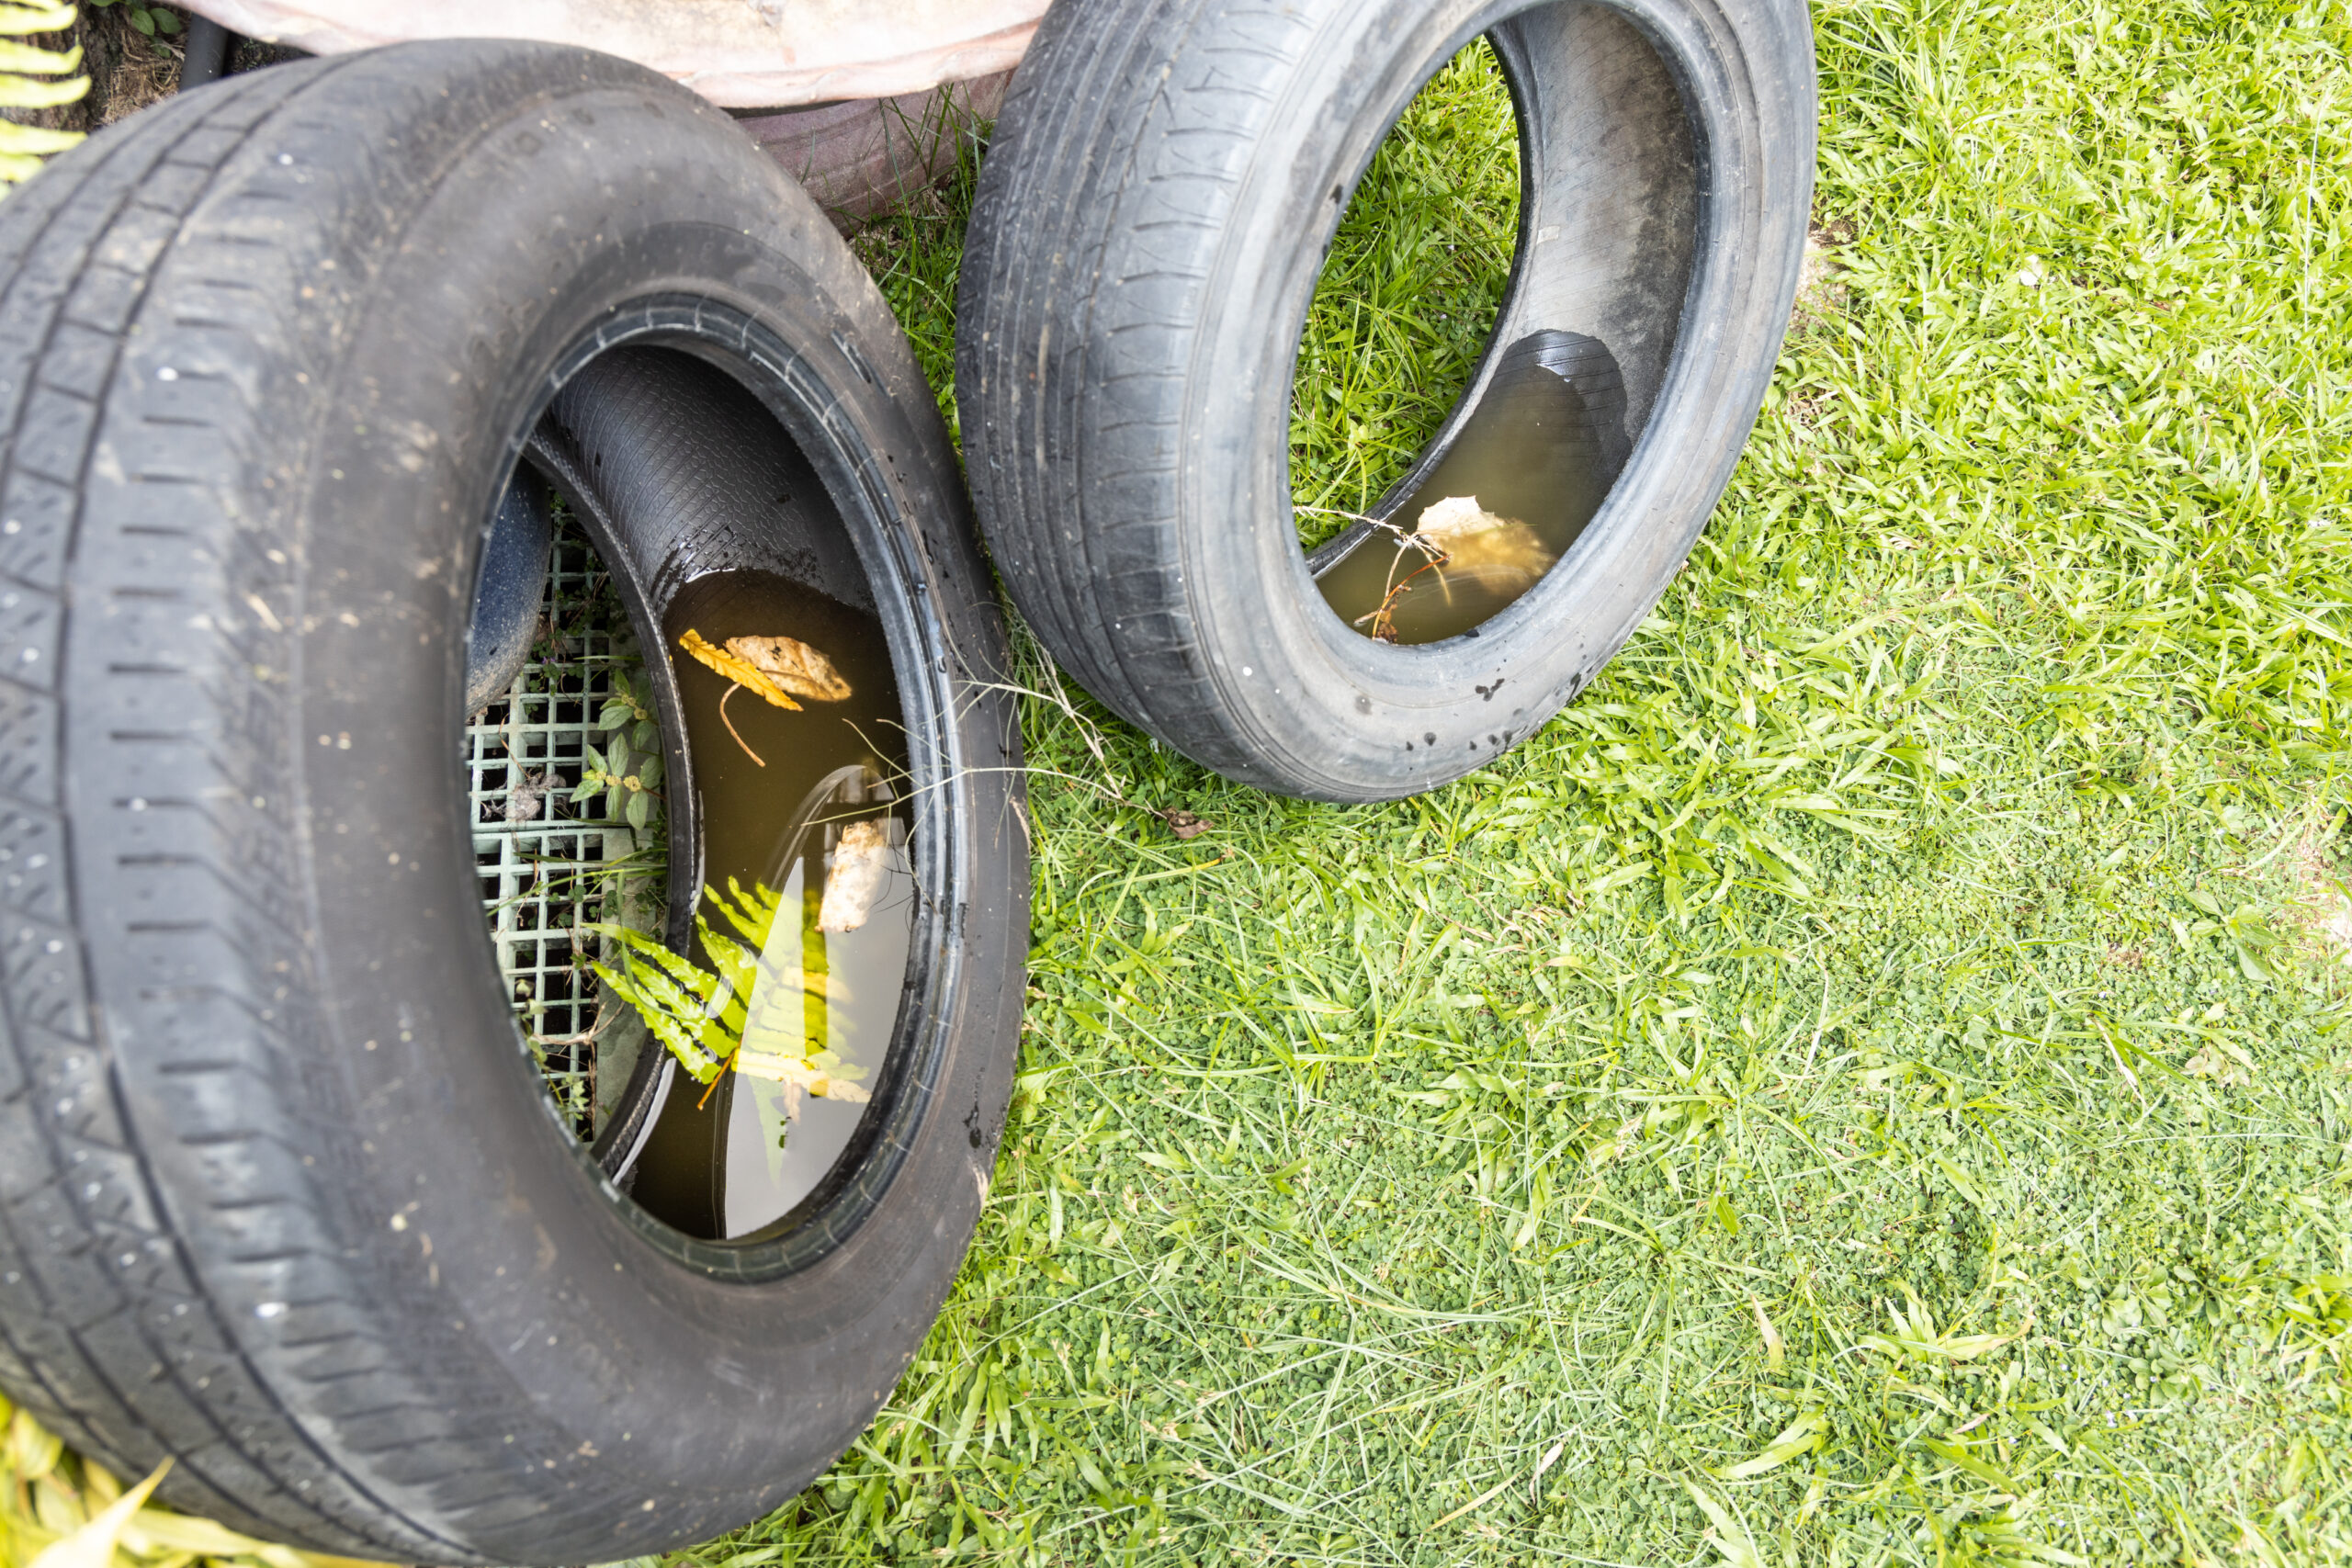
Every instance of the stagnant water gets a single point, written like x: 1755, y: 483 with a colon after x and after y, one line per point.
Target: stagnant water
x: 1538, y: 455
x: 729, y: 1161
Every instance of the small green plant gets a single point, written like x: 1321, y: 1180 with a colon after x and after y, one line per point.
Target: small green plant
x: 30, y: 79
x: 749, y: 1011
x: 631, y: 707
x: 153, y: 21
x: 627, y: 769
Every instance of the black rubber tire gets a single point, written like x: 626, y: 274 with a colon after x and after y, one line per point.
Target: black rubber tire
x: 280, y: 1194
x: 1162, y: 185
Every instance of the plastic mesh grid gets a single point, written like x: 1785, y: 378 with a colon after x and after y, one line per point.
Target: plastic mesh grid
x: 544, y: 866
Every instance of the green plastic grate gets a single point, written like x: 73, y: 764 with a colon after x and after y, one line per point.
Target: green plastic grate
x: 546, y: 866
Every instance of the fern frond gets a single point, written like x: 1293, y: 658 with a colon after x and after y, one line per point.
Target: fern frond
x: 755, y: 918
x: 704, y: 1016
x: 677, y: 1037
x: 23, y: 67
x: 39, y: 61
x: 24, y: 93
x: 638, y: 944
x: 35, y: 19
x: 33, y: 140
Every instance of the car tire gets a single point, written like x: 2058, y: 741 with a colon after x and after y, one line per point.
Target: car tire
x: 1162, y: 186
x: 282, y: 1197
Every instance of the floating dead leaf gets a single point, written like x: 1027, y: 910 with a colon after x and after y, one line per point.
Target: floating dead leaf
x: 792, y: 665
x: 855, y: 877
x: 1458, y: 517
x: 1184, y: 825
x: 734, y: 667
x: 1502, y: 553
x: 1512, y: 554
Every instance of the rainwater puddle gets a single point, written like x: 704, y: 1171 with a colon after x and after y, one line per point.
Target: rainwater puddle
x: 725, y: 1160
x: 1532, y: 462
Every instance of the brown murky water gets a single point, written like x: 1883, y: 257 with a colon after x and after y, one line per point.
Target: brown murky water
x: 1536, y: 458
x: 733, y: 1162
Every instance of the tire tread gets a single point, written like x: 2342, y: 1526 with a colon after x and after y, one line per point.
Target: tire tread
x: 107, y: 1332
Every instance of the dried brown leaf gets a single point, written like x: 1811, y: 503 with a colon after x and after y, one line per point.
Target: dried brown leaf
x: 734, y: 667
x: 792, y: 665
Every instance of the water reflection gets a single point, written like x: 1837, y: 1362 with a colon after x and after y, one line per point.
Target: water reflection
x: 731, y: 1158
x: 1525, y: 475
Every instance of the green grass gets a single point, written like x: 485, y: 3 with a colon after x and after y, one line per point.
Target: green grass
x: 1408, y: 295
x: 1916, y: 942
x: 1867, y: 1084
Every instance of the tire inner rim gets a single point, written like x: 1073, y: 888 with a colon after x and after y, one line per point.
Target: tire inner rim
x: 1582, y: 343
x: 694, y: 450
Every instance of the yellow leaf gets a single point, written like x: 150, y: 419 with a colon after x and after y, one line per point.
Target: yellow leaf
x: 91, y: 1546
x: 57, y: 1508
x: 154, y: 1532
x: 99, y: 1485
x: 157, y: 1532
x: 736, y: 667
x: 30, y: 1451
x: 1775, y: 1351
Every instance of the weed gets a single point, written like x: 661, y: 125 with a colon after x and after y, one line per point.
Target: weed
x: 152, y: 21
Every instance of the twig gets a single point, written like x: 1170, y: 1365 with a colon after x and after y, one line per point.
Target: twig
x: 731, y: 730
x: 1384, y: 619
x: 1414, y: 540
x: 1180, y: 822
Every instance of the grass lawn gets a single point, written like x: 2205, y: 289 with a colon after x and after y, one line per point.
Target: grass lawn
x: 1868, y: 1083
